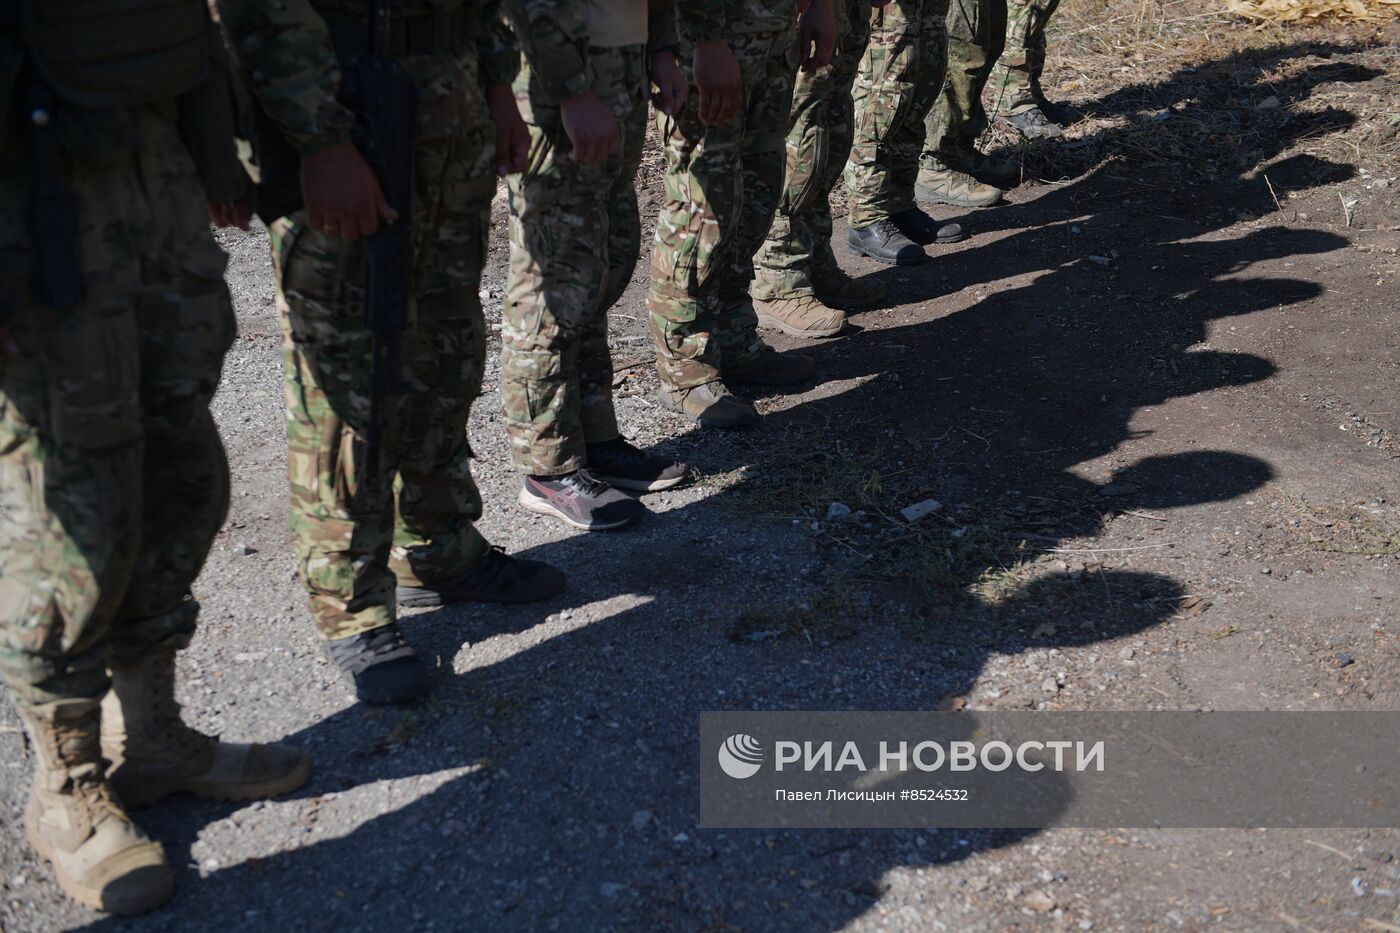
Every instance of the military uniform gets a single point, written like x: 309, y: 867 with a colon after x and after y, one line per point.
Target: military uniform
x: 976, y: 35
x: 574, y: 230
x: 114, y: 320
x: 1017, y: 80
x: 723, y: 184
x: 798, y: 246
x: 898, y: 83
x: 357, y: 531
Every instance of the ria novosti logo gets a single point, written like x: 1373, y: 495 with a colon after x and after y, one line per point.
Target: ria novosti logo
x: 740, y: 756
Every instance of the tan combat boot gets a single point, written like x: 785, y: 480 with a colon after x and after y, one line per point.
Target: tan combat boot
x: 803, y: 316
x: 710, y: 406
x: 949, y: 186
x: 100, y: 857
x: 836, y: 289
x: 154, y: 754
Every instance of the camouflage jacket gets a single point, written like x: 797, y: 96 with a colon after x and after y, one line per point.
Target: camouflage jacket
x: 554, y: 34
x: 707, y: 20
x: 286, y: 54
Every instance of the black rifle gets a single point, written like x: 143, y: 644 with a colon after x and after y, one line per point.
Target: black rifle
x: 387, y: 129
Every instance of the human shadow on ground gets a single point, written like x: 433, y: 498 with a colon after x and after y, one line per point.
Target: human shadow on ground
x: 551, y: 781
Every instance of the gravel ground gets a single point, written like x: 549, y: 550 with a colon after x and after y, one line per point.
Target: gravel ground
x: 1167, y: 453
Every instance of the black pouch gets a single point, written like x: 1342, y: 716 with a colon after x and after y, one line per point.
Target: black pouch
x: 212, y: 118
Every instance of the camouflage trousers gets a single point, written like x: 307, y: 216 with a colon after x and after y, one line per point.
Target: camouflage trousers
x: 976, y: 36
x: 113, y: 481
x: 574, y: 240
x: 1017, y: 79
x: 897, y: 85
x: 723, y: 184
x: 823, y: 121
x: 410, y: 518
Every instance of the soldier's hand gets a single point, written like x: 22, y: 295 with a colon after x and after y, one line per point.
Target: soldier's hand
x: 342, y: 196
x: 591, y: 126
x: 230, y: 214
x: 671, y: 86
x: 512, y: 135
x: 816, y: 35
x: 719, y: 81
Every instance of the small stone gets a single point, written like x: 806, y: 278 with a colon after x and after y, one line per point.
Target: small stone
x: 1050, y: 685
x: 1039, y: 901
x: 1266, y: 571
x: 1268, y: 103
x: 837, y: 510
x: 1127, y: 653
x: 640, y: 819
x: 1342, y: 659
x: 912, y: 513
x: 244, y: 549
x: 679, y: 838
x: 611, y: 889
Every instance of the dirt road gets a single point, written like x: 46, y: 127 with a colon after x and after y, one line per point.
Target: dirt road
x: 1158, y: 396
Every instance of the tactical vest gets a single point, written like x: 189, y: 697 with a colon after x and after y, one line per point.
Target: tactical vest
x: 117, y: 53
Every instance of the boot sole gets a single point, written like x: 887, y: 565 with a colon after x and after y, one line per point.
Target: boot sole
x: 117, y: 900
x: 531, y: 504
x: 862, y: 251
x: 765, y: 320
x: 152, y: 793
x: 943, y: 199
x: 639, y: 485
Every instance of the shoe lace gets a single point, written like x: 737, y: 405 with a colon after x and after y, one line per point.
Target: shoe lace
x: 87, y: 781
x: 584, y: 483
x: 367, y: 649
x: 887, y: 228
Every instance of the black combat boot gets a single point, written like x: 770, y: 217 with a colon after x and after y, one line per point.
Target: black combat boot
x: 495, y: 578
x: 381, y: 664
x: 619, y: 464
x: 923, y: 229
x: 883, y: 241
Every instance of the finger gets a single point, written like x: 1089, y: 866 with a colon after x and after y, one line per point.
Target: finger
x: 364, y: 221
x: 680, y: 90
x: 707, y: 107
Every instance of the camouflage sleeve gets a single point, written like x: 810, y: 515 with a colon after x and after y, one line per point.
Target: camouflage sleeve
x: 702, y: 20
x: 498, y: 55
x: 661, y: 25
x: 554, y: 34
x: 286, y: 55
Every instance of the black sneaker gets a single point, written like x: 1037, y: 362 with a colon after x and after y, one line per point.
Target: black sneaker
x: 619, y: 464
x: 495, y: 578
x: 581, y: 500
x: 381, y: 664
x: 1034, y: 124
x: 883, y: 242
x: 923, y: 229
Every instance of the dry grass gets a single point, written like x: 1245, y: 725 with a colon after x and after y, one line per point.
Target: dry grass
x: 1312, y: 11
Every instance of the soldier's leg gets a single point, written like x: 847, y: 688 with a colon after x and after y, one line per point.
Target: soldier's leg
x: 438, y: 555
x: 1018, y: 73
x: 770, y: 71
x: 561, y: 212
x: 885, y: 90
x: 186, y: 325
x: 574, y: 243
x: 782, y: 266
x: 976, y: 31
x: 341, y: 514
x: 951, y: 169
x: 71, y: 457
